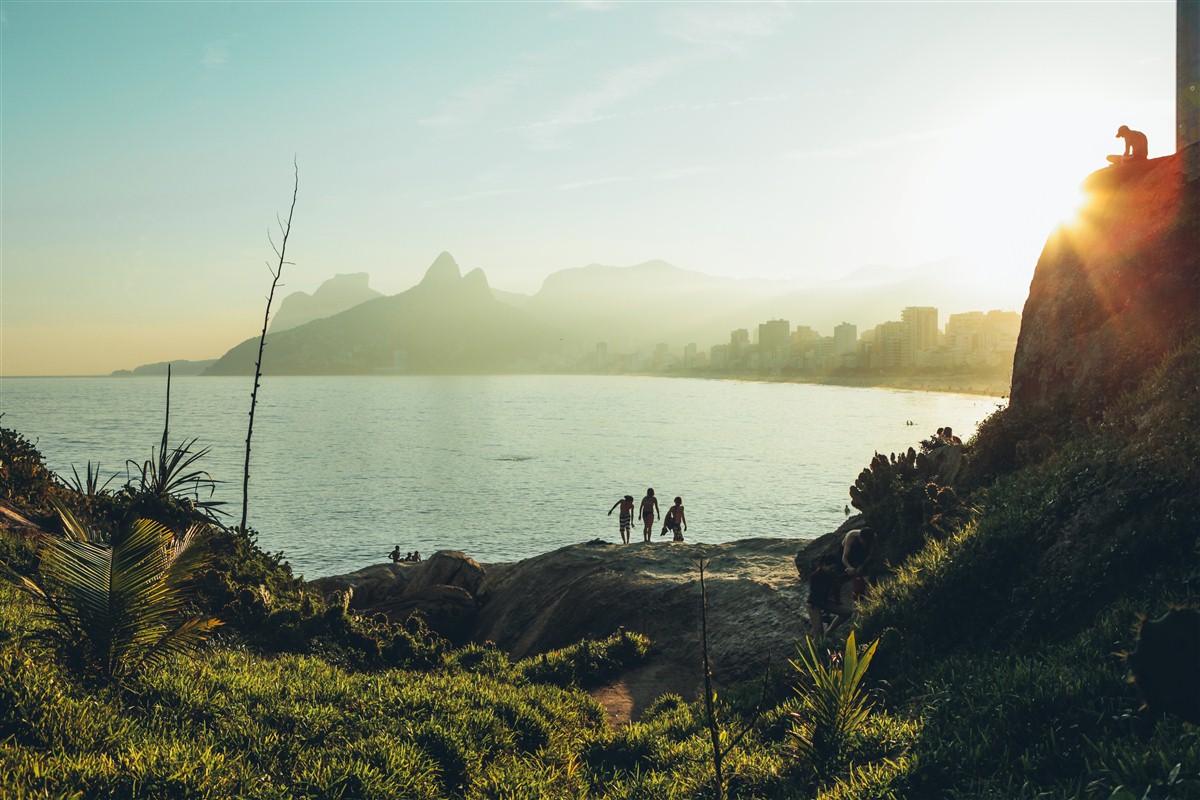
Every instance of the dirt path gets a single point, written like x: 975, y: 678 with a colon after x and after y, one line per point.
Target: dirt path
x: 628, y: 698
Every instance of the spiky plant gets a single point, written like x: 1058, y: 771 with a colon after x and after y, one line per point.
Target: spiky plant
x: 834, y: 703
x: 117, y: 607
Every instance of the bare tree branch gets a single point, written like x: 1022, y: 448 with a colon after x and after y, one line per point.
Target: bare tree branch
x: 262, y: 340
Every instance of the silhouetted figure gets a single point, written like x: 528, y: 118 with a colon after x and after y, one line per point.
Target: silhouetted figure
x: 946, y: 456
x: 648, y: 511
x: 675, y: 521
x: 626, y: 504
x: 1136, y: 148
x: 395, y: 555
x: 825, y: 585
x: 858, y: 551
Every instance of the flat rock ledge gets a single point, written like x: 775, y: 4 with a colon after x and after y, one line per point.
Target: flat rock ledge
x: 590, y: 590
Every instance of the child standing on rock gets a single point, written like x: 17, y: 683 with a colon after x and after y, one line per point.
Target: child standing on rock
x: 675, y: 521
x: 626, y: 504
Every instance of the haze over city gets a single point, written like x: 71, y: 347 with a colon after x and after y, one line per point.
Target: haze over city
x: 148, y: 147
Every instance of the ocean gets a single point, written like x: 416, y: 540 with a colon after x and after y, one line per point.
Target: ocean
x: 501, y: 467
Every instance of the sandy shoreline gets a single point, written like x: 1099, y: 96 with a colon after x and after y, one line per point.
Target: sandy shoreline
x: 983, y: 385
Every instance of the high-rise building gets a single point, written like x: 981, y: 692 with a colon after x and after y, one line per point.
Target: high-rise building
x: 845, y: 339
x: 922, y: 322
x: 739, y: 343
x: 772, y: 341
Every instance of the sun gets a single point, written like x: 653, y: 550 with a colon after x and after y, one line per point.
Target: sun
x: 1011, y: 175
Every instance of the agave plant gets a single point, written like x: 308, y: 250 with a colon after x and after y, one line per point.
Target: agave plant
x: 834, y: 701
x: 170, y: 473
x: 90, y: 485
x: 115, y: 608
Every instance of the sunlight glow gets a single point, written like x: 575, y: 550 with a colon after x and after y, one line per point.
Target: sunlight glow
x: 1012, y: 175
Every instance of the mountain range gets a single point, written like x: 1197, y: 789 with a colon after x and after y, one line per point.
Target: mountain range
x: 448, y: 323
x: 451, y: 322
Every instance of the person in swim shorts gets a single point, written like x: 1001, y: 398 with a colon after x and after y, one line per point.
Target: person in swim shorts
x: 675, y: 521
x: 648, y: 511
x: 626, y: 504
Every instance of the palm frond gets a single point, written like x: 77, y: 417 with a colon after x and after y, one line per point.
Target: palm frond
x: 118, y: 606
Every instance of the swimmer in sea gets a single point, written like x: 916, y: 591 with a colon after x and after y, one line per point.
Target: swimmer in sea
x: 626, y: 504
x: 648, y: 511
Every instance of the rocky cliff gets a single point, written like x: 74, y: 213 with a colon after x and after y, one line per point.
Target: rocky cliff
x: 1114, y: 292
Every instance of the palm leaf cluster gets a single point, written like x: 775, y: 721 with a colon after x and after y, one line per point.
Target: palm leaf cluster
x: 119, y: 606
x: 170, y: 472
x: 834, y: 703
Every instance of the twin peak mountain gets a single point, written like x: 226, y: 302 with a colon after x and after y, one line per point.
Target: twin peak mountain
x: 455, y: 323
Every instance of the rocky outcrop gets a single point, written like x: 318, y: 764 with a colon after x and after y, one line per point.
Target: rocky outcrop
x: 755, y: 602
x: 1113, y: 293
x: 445, y: 589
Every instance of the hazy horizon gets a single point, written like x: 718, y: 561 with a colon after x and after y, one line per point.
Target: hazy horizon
x: 143, y: 163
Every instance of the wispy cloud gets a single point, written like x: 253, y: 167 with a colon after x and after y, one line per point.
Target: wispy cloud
x: 687, y: 172
x: 856, y: 149
x: 596, y: 104
x: 595, y: 182
x: 667, y: 175
x: 469, y: 104
x: 218, y: 53
x: 734, y: 27
x: 464, y: 198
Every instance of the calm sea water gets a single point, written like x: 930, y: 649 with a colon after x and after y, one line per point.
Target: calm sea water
x: 502, y: 468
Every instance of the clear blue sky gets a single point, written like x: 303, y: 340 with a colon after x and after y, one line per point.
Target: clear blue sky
x: 146, y: 147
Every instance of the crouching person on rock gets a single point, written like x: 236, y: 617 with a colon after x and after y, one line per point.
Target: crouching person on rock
x: 827, y: 584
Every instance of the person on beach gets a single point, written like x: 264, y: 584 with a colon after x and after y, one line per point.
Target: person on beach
x: 395, y: 555
x: 675, y: 521
x: 825, y: 587
x: 648, y: 511
x: 626, y: 504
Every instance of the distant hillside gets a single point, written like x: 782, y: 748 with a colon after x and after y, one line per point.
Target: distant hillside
x: 178, y: 368
x: 448, y: 323
x: 639, y: 306
x: 335, y: 295
x: 644, y: 304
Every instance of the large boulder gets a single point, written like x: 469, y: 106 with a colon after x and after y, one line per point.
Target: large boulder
x: 443, y: 588
x: 369, y: 586
x: 755, y: 603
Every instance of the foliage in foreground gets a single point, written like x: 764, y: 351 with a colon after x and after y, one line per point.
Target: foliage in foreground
x: 115, y: 607
x: 232, y: 724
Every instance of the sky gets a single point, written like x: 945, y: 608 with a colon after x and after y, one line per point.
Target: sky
x: 146, y: 149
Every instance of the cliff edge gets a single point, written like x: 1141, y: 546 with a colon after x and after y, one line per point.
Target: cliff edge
x: 1114, y: 292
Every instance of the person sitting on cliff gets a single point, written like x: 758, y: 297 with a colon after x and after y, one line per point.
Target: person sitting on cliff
x: 648, y: 511
x: 626, y: 504
x: 395, y: 555
x: 675, y: 521
x: 858, y: 552
x: 416, y: 555
x: 825, y: 585
x: 1136, y: 148
x: 945, y: 455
